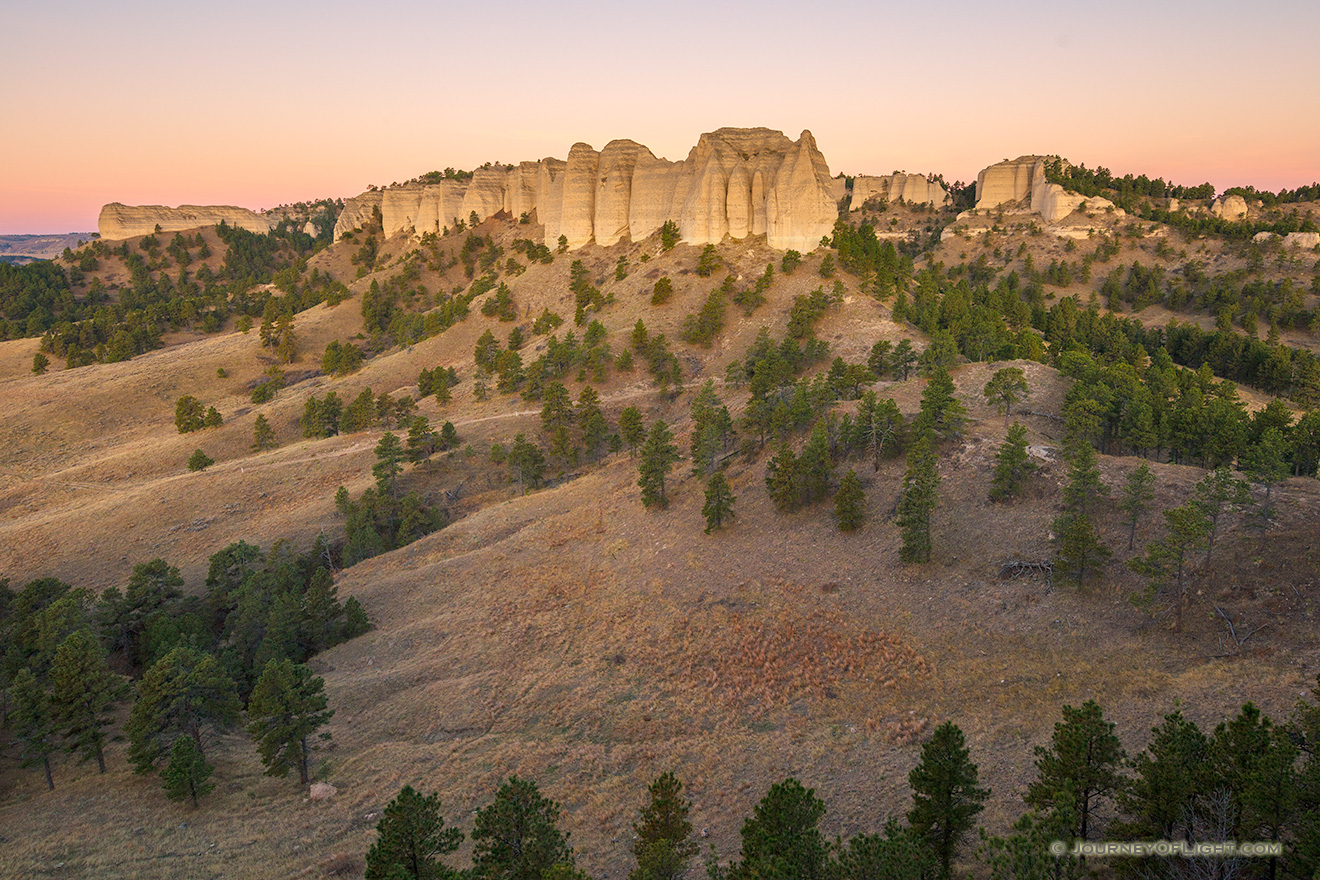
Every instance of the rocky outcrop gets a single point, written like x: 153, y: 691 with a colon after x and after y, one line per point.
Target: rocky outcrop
x: 358, y: 211
x: 1021, y: 184
x: 118, y: 221
x: 915, y: 189
x: 735, y: 182
x: 1232, y: 207
x: 1304, y: 240
x: 1007, y: 182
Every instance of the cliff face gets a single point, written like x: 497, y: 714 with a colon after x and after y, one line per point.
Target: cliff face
x: 735, y: 181
x: 118, y: 221
x: 914, y: 189
x: 1023, y: 179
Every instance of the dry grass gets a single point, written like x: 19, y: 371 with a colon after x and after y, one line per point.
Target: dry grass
x: 575, y: 638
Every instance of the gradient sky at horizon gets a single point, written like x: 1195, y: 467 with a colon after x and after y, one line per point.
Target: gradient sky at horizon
x: 258, y: 104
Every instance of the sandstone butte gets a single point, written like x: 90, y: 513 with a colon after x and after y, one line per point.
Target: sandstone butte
x: 1021, y: 182
x: 118, y: 221
x: 736, y: 182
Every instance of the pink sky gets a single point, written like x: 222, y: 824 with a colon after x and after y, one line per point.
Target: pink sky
x: 258, y: 104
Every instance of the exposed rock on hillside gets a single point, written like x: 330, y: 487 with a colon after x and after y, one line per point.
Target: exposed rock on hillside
x: 1232, y: 207
x: 118, y: 221
x: 735, y: 181
x: 914, y: 189
x: 1023, y: 180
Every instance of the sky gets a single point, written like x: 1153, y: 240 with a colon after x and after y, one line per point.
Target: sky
x: 260, y: 104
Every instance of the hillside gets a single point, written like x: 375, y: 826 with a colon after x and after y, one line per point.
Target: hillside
x: 572, y: 636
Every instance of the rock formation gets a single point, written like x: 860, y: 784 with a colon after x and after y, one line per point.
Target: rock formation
x: 118, y: 221
x: 1022, y: 181
x: 1232, y: 207
x: 914, y: 189
x: 735, y: 181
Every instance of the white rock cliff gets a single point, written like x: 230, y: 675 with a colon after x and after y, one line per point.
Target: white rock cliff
x: 735, y: 182
x: 118, y: 221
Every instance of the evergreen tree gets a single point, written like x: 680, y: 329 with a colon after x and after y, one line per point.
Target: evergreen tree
x: 1218, y: 493
x: 941, y: 411
x: 422, y: 441
x: 1012, y: 465
x: 898, y: 854
x: 84, y: 688
x: 782, y: 840
x: 1005, y: 388
x: 516, y: 838
x: 189, y: 414
x: 917, y: 503
x: 1138, y: 495
x: 411, y: 835
x: 631, y: 428
x: 187, y: 775
x: 719, y: 502
x: 850, y: 502
x: 814, y: 467
x: 946, y: 796
x: 213, y: 418
x: 781, y: 479
x: 1078, y: 547
x: 263, y: 435
x: 903, y: 358
x: 1172, y: 780
x: 527, y: 463
x: 658, y: 457
x: 287, y: 707
x: 663, y: 844
x: 1167, y: 562
x: 1025, y: 854
x: 879, y: 424
x: 32, y: 722
x: 595, y: 430
x: 1265, y: 464
x: 389, y: 464
x: 1080, y: 770
x: 199, y: 461
x: 183, y: 694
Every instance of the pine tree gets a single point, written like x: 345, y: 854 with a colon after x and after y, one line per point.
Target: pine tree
x: 32, y: 722
x: 1172, y: 779
x: 941, y: 411
x: 422, y: 441
x: 782, y: 839
x: 1005, y: 388
x: 917, y: 504
x: 84, y: 688
x: 946, y: 796
x: 879, y: 424
x: 719, y: 502
x: 411, y: 835
x: 1218, y: 493
x: 263, y: 435
x: 1138, y: 495
x: 287, y: 707
x: 527, y: 462
x: 898, y: 854
x: 782, y: 481
x: 595, y: 429
x: 1082, y: 766
x: 1078, y: 547
x: 1012, y: 465
x: 850, y: 502
x: 1265, y: 464
x: 187, y: 774
x: 658, y: 457
x: 188, y: 414
x: 814, y: 466
x: 663, y: 846
x: 516, y: 838
x: 199, y: 461
x: 1167, y: 563
x: 389, y: 463
x: 631, y: 428
x: 183, y: 694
